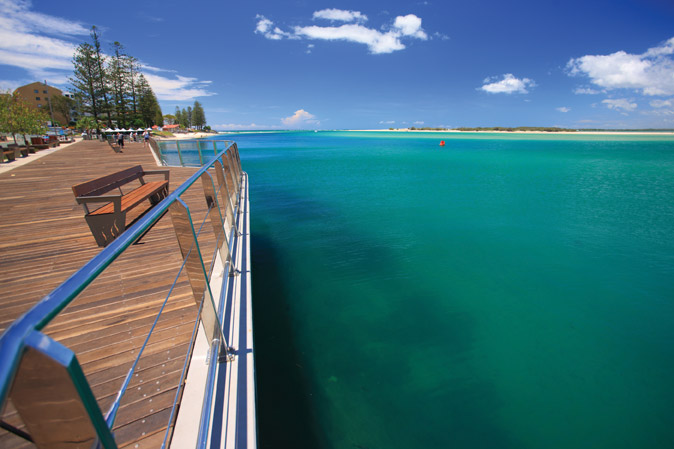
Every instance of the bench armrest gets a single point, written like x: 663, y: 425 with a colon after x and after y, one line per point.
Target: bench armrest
x: 115, y: 199
x: 166, y: 173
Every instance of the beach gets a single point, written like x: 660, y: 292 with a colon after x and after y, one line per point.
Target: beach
x: 186, y: 136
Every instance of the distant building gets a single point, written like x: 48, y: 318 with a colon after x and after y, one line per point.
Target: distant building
x: 75, y: 110
x: 39, y: 95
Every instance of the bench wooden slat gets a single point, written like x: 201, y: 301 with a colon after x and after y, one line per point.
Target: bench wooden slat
x: 134, y: 198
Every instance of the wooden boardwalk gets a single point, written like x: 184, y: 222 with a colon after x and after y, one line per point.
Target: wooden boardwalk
x: 44, y: 239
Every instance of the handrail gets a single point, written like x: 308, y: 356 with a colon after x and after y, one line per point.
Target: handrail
x: 13, y: 340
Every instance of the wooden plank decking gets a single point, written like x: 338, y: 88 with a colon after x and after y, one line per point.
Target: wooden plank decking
x: 44, y: 239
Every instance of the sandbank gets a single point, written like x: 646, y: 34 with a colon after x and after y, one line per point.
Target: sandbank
x: 607, y: 133
x: 184, y: 136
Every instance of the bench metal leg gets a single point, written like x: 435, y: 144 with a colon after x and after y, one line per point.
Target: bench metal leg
x: 157, y: 197
x: 10, y: 155
x: 107, y: 227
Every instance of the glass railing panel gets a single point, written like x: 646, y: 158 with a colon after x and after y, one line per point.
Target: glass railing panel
x: 14, y: 432
x: 190, y: 152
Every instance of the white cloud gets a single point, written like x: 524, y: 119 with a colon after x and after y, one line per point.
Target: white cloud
x: 299, y: 118
x: 418, y: 122
x: 620, y: 103
x: 266, y: 28
x: 33, y: 62
x: 181, y: 88
x: 410, y: 25
x: 508, y: 85
x: 387, y: 122
x: 563, y: 109
x: 378, y: 42
x: 340, y: 15
x: 662, y: 103
x: 585, y: 91
x: 24, y: 44
x: 17, y: 16
x: 155, y: 69
x: 651, y: 73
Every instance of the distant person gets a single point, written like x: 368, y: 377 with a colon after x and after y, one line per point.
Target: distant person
x: 146, y: 138
x: 120, y: 140
x: 84, y: 135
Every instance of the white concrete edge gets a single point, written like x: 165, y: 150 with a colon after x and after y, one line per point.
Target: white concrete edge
x: 245, y: 355
x: 250, y: 356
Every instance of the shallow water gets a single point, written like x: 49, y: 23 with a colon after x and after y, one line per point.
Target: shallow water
x: 504, y: 291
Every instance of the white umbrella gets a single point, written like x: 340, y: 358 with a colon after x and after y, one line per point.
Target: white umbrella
x: 140, y: 129
x: 116, y: 130
x: 123, y: 130
x: 108, y: 131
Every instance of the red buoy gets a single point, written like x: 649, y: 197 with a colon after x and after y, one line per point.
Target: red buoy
x: 442, y: 143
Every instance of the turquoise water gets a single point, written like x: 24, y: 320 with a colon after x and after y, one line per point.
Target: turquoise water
x: 504, y: 291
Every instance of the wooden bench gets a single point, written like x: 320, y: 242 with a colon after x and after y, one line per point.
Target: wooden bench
x: 51, y: 141
x: 11, y: 153
x: 109, y: 221
x: 23, y: 149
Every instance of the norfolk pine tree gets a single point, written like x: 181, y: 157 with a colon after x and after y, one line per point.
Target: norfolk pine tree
x: 198, y: 116
x: 100, y: 75
x: 118, y: 81
x: 84, y: 80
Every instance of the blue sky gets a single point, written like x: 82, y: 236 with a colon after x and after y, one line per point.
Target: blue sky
x: 371, y: 64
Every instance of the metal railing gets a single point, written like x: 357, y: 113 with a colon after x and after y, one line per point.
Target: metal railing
x: 43, y: 378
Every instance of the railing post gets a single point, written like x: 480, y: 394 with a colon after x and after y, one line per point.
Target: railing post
x: 201, y: 158
x: 180, y: 156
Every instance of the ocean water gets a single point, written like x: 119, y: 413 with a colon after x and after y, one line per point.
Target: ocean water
x: 505, y: 291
